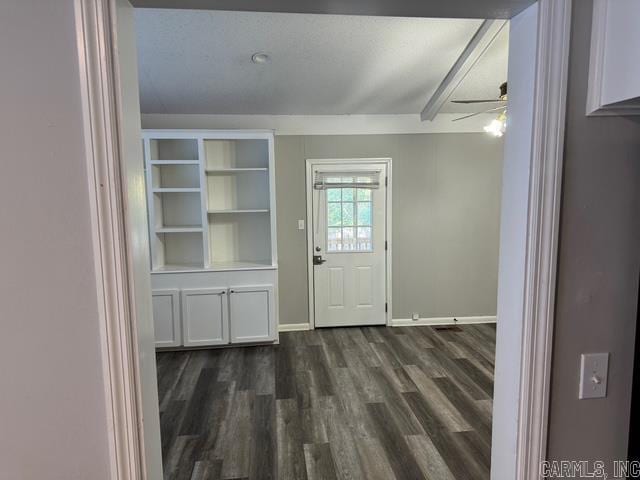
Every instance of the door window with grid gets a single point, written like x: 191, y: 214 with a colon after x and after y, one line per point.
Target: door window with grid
x: 349, y: 219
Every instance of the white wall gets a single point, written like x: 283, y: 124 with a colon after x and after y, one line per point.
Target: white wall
x: 513, y: 235
x: 52, y: 404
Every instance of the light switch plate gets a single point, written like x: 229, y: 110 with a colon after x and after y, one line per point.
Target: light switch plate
x: 593, y: 375
x: 300, y: 224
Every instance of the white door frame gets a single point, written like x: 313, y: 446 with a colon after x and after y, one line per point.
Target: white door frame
x: 96, y: 35
x: 311, y: 162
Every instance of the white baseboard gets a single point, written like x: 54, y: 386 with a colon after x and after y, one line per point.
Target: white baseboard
x: 407, y: 322
x: 294, y: 327
x: 404, y: 322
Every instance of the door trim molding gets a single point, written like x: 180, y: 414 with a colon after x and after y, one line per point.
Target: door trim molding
x: 310, y: 163
x: 543, y: 219
x: 95, y: 36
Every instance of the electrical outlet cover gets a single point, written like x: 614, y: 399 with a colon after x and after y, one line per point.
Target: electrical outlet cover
x: 415, y: 316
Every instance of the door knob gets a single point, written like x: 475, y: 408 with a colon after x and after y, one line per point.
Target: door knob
x: 318, y: 260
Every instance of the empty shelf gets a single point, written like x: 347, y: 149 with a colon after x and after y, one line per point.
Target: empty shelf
x: 176, y: 190
x: 215, y: 267
x: 240, y: 265
x: 178, y: 229
x: 236, y: 170
x: 243, y: 210
x: 178, y: 268
x: 174, y: 162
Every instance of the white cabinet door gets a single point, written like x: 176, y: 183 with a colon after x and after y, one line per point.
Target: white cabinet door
x: 252, y: 314
x: 205, y: 317
x: 166, y: 318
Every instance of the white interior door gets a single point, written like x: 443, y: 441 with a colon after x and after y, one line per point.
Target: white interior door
x: 349, y: 243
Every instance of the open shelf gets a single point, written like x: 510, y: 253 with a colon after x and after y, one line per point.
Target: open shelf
x: 174, y: 162
x: 222, y: 171
x: 178, y: 249
x: 238, y: 265
x: 248, y: 191
x: 175, y: 175
x: 216, y: 267
x: 173, y: 149
x: 178, y: 268
x: 245, y: 210
x: 176, y: 190
x: 239, y: 237
x: 179, y: 229
x: 176, y: 209
x: 245, y: 153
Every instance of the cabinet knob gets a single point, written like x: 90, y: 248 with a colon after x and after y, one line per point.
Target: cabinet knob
x: 231, y: 291
x: 223, y: 292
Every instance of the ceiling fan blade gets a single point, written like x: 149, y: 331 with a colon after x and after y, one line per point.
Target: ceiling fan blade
x: 496, y: 100
x: 480, y: 113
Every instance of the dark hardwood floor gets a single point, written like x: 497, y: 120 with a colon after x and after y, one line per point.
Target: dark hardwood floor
x: 348, y: 403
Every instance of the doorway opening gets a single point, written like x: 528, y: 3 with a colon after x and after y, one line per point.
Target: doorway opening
x: 538, y: 217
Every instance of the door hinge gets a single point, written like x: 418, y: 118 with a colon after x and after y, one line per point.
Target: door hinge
x: 386, y: 245
x: 386, y: 181
x: 386, y: 307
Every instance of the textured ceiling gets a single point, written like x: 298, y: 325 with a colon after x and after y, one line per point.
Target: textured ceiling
x: 195, y: 61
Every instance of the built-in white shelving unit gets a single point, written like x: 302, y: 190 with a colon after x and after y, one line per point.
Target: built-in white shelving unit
x: 214, y: 189
x: 211, y: 205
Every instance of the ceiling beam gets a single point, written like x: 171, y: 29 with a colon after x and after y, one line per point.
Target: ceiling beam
x: 392, y: 8
x: 478, y: 44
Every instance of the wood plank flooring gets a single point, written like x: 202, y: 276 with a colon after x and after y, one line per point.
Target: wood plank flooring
x: 345, y: 403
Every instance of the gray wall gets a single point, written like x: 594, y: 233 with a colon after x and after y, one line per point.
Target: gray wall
x: 52, y: 403
x: 599, y: 262
x: 446, y: 211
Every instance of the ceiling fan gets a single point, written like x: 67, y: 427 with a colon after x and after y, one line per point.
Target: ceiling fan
x: 498, y: 125
x: 501, y: 99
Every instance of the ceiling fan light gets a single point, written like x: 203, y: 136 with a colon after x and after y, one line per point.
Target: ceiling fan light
x: 495, y: 128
